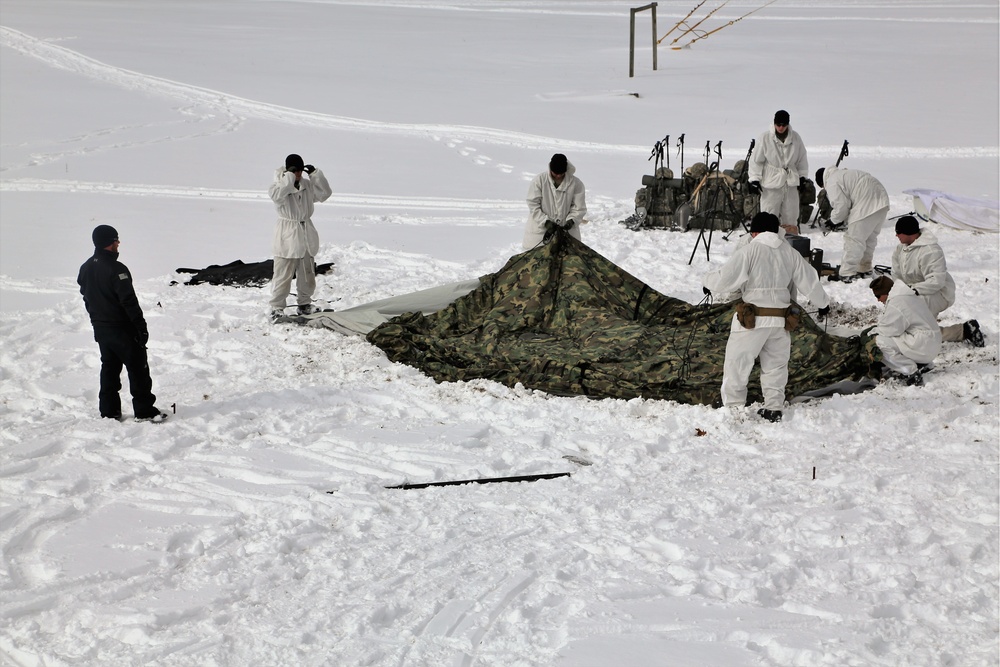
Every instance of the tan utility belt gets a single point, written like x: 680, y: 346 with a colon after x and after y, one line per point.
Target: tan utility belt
x: 747, y: 314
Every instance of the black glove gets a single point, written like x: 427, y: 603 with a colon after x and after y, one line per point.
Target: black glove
x: 822, y: 313
x: 753, y: 187
x: 309, y: 169
x: 550, y: 229
x: 569, y: 225
x: 142, y: 338
x: 706, y: 291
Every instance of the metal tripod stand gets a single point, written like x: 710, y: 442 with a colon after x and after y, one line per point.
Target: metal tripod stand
x: 710, y: 214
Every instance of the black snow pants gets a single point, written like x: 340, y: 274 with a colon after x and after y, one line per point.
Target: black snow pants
x: 119, y: 347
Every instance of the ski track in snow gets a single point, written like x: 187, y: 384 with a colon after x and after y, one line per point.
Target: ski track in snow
x: 237, y: 109
x: 66, y: 59
x: 573, y: 8
x: 254, y: 526
x: 261, y: 504
x: 342, y: 200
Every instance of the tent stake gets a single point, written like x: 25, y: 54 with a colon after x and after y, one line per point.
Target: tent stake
x: 484, y: 480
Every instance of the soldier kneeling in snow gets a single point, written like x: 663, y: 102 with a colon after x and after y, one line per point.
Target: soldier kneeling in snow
x: 907, y: 333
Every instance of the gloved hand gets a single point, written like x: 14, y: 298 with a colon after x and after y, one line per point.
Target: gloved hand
x: 753, y: 187
x: 569, y: 225
x: 142, y: 337
x: 309, y: 169
x: 706, y: 291
x: 822, y: 313
x: 550, y: 229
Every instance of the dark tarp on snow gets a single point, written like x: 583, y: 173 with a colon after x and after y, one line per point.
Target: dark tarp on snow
x: 562, y: 319
x: 239, y: 274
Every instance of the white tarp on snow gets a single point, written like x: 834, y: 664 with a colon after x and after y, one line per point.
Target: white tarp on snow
x: 981, y: 215
x: 362, y: 319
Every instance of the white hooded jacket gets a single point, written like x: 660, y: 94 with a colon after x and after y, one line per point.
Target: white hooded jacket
x: 559, y: 204
x: 765, y: 271
x: 908, y: 322
x: 853, y: 194
x: 922, y: 266
x: 777, y: 164
x: 294, y: 235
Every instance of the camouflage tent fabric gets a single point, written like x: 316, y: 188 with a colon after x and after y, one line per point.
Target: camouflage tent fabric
x: 562, y: 319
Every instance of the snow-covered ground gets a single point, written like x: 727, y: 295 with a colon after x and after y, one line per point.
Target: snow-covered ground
x: 254, y: 527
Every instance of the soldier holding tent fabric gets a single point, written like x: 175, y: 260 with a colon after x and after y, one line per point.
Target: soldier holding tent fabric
x: 556, y: 198
x: 764, y: 271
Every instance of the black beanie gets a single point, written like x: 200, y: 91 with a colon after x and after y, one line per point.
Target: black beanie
x: 907, y: 225
x: 557, y: 165
x: 104, y: 235
x: 781, y: 117
x: 293, y: 162
x: 819, y: 176
x: 764, y: 222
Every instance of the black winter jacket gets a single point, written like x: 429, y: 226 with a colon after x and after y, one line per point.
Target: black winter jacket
x: 106, y: 286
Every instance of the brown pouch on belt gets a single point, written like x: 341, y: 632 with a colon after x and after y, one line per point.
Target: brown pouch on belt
x: 746, y: 315
x: 792, y: 318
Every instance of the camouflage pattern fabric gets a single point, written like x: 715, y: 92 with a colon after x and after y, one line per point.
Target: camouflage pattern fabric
x: 562, y: 319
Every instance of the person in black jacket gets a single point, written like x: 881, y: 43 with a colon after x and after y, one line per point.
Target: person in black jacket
x: 119, y: 329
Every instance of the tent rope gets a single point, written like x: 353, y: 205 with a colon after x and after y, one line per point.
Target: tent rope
x: 702, y: 34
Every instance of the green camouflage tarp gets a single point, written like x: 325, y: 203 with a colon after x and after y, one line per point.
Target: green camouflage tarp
x: 563, y: 319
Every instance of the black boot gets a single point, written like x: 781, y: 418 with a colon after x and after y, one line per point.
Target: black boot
x: 972, y: 333
x: 770, y: 415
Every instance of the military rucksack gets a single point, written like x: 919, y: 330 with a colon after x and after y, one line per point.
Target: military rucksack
x: 657, y: 202
x: 807, y: 197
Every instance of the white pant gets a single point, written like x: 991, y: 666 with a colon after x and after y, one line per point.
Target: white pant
x: 782, y: 202
x: 303, y: 269
x: 954, y: 333
x: 935, y: 302
x: 773, y: 345
x: 893, y: 358
x: 860, y: 240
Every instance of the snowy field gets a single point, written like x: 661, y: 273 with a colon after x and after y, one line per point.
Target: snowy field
x: 255, y: 526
